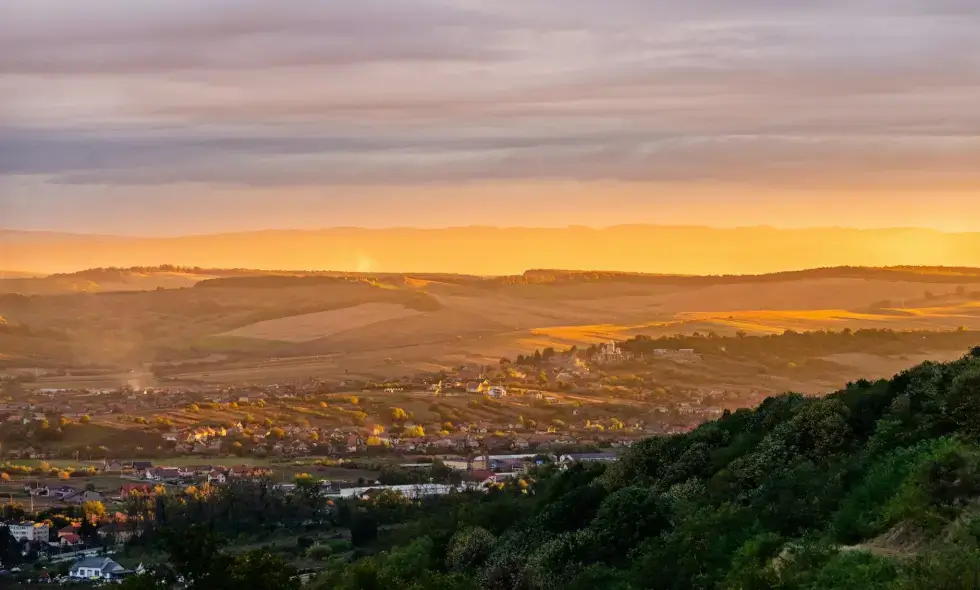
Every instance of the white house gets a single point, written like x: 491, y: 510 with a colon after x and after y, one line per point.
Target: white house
x: 96, y: 568
x: 29, y: 531
x: 497, y: 392
x: 609, y: 352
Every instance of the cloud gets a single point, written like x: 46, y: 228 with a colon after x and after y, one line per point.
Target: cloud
x: 386, y: 92
x: 284, y: 160
x: 153, y: 36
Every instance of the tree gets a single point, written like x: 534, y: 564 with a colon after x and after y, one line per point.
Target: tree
x: 85, y: 419
x: 469, y: 549
x: 363, y: 529
x: 5, y: 477
x: 277, y: 433
x: 10, y: 549
x: 399, y: 415
x: 93, y: 510
x: 64, y: 475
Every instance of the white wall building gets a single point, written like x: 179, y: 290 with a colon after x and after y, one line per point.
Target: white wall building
x: 29, y: 531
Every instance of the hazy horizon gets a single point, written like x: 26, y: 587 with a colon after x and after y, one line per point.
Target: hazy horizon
x: 466, y: 249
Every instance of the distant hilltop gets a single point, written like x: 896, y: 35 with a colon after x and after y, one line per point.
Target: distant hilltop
x: 174, y: 277
x: 488, y: 251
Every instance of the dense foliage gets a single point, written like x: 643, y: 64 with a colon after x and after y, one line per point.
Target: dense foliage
x: 874, y: 486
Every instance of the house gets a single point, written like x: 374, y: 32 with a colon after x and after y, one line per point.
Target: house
x: 478, y: 386
x: 202, y: 470
x: 497, y: 392
x: 29, y: 531
x: 168, y: 473
x: 72, y: 529
x: 69, y: 539
x: 83, y: 497
x: 112, y: 466
x: 63, y: 492
x: 92, y: 568
x: 610, y: 353
x: 456, y: 464
x: 587, y: 458
x: 485, y: 477
x: 215, y: 476
x: 162, y: 474
x: 141, y: 466
x: 119, y: 532
x: 36, y: 488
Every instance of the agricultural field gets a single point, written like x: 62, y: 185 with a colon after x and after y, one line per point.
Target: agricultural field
x: 268, y: 329
x: 311, y: 326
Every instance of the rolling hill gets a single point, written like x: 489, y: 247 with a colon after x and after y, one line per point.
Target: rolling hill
x: 336, y: 321
x: 501, y: 251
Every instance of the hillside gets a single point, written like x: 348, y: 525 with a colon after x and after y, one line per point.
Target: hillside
x: 639, y: 248
x: 391, y: 324
x: 875, y: 486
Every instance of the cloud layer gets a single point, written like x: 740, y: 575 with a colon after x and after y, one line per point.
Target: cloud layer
x: 385, y: 92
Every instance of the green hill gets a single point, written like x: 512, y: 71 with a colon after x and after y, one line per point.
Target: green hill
x: 875, y: 486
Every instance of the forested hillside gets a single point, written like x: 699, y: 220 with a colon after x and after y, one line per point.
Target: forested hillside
x: 875, y: 486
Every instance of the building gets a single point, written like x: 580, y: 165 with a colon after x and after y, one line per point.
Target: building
x: 478, y: 386
x: 497, y: 392
x: 610, y: 353
x: 97, y: 568
x: 587, y: 458
x: 29, y: 531
x: 83, y: 497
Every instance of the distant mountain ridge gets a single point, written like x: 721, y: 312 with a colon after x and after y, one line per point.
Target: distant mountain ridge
x: 503, y: 251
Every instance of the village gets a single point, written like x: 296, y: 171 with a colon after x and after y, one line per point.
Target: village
x: 86, y: 458
x: 76, y: 530
x: 544, y: 402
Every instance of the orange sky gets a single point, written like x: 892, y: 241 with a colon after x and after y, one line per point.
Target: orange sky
x: 379, y: 113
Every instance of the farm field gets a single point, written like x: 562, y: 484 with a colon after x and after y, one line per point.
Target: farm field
x: 307, y: 327
x: 266, y: 329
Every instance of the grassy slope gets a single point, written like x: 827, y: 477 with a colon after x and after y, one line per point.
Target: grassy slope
x: 466, y: 316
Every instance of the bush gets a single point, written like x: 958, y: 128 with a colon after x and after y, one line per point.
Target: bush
x: 319, y: 552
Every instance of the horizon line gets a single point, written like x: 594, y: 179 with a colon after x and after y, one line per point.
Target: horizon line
x: 326, y: 273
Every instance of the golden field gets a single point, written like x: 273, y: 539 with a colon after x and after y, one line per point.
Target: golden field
x: 249, y: 327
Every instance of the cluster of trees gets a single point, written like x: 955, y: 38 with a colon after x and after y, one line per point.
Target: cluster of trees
x: 792, y: 344
x: 786, y: 345
x: 781, y: 496
x: 543, y: 356
x: 196, y: 561
x: 925, y: 274
x: 240, y: 507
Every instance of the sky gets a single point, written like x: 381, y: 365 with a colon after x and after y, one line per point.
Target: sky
x: 166, y: 117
